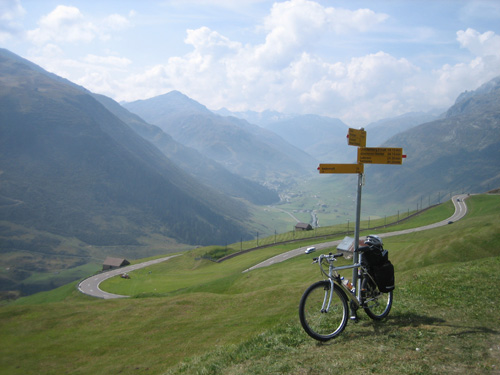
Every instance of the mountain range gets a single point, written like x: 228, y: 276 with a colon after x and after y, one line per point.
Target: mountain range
x: 452, y: 150
x: 243, y: 148
x: 204, y: 169
x: 324, y: 137
x: 82, y: 176
x: 70, y: 168
x: 58, y: 143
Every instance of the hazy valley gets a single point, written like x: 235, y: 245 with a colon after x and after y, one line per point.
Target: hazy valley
x: 83, y: 177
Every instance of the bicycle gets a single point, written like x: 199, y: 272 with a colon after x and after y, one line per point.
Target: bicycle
x: 324, y: 307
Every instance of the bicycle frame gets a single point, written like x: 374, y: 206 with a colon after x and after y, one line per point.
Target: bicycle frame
x: 328, y: 304
x: 334, y: 279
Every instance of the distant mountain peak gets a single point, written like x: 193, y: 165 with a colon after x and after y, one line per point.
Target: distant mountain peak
x: 170, y: 104
x: 182, y: 98
x: 476, y: 100
x: 237, y: 144
x: 459, y: 152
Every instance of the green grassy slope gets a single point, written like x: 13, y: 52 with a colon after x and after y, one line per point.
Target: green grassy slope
x: 207, y: 318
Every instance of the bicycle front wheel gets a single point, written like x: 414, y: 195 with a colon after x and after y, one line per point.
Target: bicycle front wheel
x: 377, y: 305
x: 323, y: 312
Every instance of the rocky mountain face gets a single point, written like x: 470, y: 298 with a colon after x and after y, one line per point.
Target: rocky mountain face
x: 460, y: 152
x: 383, y: 130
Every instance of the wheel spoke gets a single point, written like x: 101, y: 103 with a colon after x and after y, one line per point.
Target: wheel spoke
x: 376, y: 305
x: 317, y: 321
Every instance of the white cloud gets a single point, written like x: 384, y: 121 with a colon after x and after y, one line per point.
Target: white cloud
x: 486, y: 44
x: 294, y: 26
x: 484, y: 64
x: 63, y: 24
x: 301, y: 17
x: 116, y: 22
x: 68, y: 24
x: 206, y: 41
x: 285, y: 70
x: 257, y: 75
x: 362, y: 20
x: 118, y: 62
x: 11, y: 12
x: 99, y: 74
x: 375, y: 82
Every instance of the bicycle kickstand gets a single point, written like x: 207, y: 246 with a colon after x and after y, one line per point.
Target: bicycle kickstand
x: 354, y: 312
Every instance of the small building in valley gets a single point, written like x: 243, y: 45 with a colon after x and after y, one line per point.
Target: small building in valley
x: 303, y: 226
x: 112, y: 263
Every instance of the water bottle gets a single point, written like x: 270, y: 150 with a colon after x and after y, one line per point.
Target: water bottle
x: 346, y: 282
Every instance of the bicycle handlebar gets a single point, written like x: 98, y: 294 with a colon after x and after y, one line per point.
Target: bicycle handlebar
x: 330, y: 257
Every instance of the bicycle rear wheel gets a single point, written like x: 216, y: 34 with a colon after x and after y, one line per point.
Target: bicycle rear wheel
x: 320, y: 321
x: 377, y: 305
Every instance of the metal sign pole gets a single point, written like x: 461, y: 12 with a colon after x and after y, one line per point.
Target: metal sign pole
x: 356, y: 233
x: 366, y: 155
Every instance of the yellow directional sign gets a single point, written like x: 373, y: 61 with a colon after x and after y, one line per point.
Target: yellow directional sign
x: 356, y: 137
x: 380, y: 155
x: 341, y: 168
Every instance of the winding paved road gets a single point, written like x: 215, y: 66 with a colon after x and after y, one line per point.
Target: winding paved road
x: 460, y: 212
x: 90, y: 285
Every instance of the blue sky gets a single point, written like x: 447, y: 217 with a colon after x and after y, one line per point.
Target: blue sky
x: 359, y: 61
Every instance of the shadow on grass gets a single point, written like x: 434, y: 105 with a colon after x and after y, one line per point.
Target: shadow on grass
x: 404, y: 321
x: 384, y: 327
x: 413, y: 320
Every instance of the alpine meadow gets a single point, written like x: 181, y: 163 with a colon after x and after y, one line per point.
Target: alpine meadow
x: 256, y: 187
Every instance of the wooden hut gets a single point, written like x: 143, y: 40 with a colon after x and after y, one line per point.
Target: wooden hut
x: 112, y: 263
x: 303, y: 226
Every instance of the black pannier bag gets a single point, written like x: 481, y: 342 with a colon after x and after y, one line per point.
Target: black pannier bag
x: 384, y: 276
x: 379, y: 266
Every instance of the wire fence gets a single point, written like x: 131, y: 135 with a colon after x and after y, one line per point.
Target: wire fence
x: 313, y: 234
x: 424, y: 203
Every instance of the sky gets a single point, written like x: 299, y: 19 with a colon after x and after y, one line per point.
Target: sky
x: 360, y: 61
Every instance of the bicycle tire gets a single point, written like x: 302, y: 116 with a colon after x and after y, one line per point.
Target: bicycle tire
x: 376, y: 304
x: 320, y: 325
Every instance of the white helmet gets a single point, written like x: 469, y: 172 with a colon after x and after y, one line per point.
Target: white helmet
x: 374, y: 240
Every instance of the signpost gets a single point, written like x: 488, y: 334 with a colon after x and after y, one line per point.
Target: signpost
x: 380, y: 155
x: 356, y: 137
x: 341, y: 168
x: 366, y: 155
